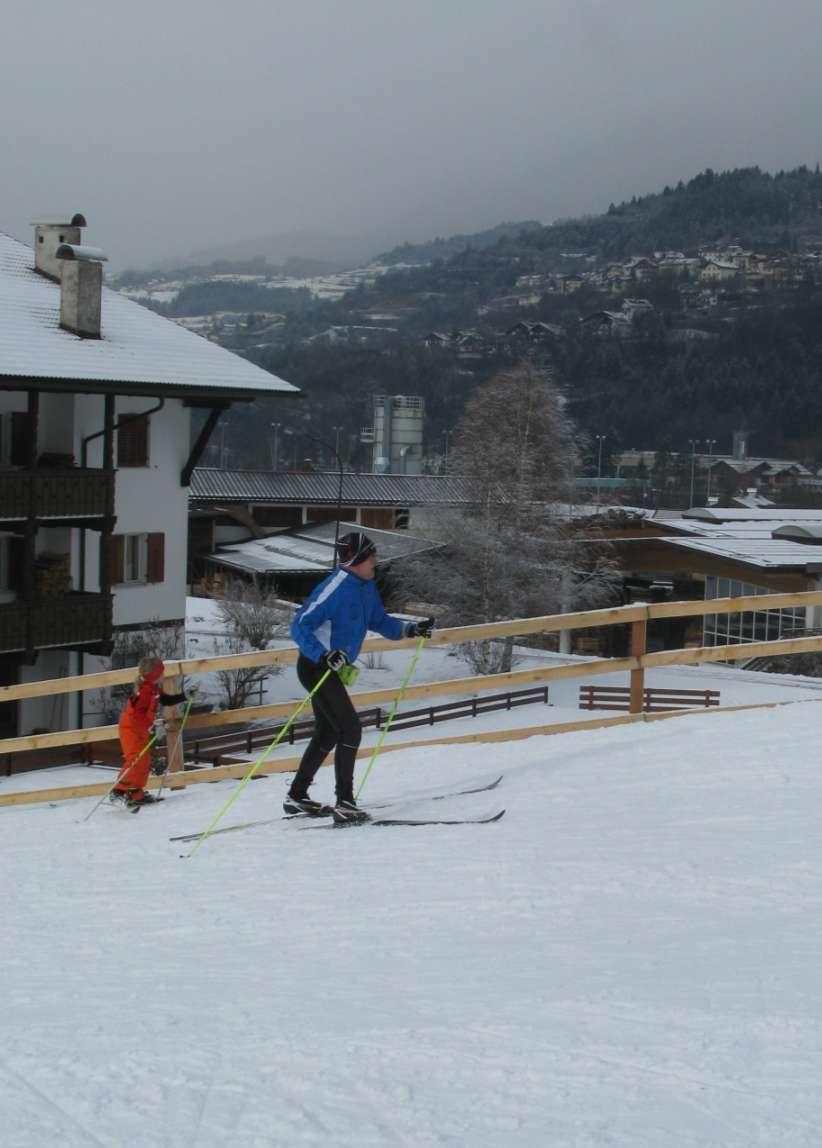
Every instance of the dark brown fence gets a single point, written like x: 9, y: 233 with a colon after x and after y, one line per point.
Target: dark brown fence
x: 654, y: 698
x: 213, y: 749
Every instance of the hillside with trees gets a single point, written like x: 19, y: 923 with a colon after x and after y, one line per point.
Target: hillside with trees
x: 684, y: 314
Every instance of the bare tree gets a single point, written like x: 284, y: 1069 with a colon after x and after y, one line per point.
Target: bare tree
x: 252, y: 614
x: 505, y: 555
x: 252, y: 617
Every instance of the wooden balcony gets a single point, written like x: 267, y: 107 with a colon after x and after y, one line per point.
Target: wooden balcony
x: 67, y: 620
x: 54, y: 494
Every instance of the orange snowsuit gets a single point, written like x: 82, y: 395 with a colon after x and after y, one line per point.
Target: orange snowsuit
x: 135, y: 732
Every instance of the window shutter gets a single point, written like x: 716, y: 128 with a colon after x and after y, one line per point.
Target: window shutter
x: 155, y: 564
x: 116, y: 549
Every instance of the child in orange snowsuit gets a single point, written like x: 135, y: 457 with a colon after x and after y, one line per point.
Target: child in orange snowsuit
x: 135, y: 731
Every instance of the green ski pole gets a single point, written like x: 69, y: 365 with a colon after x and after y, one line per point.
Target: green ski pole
x: 387, y: 725
x: 257, y: 765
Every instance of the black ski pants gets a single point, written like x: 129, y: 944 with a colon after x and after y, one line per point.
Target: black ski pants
x: 337, y: 727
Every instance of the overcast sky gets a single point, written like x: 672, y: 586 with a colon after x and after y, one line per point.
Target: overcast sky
x: 182, y: 125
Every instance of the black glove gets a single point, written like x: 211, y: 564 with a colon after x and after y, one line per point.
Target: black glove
x: 172, y: 699
x: 159, y: 766
x: 334, y: 660
x: 423, y: 629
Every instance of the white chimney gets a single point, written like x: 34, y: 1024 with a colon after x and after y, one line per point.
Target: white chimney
x: 49, y: 234
x: 740, y: 447
x: 81, y: 289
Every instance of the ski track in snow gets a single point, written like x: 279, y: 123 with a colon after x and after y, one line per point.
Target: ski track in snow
x: 629, y: 958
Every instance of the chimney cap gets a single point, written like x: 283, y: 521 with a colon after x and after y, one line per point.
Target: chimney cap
x: 77, y: 220
x: 81, y: 252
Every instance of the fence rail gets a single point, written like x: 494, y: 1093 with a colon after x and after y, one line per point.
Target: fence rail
x: 213, y: 749
x: 637, y: 616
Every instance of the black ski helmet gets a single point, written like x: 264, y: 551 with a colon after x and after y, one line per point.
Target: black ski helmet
x: 354, y: 548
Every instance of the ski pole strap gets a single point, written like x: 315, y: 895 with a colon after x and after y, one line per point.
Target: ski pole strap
x: 387, y: 725
x: 259, y: 762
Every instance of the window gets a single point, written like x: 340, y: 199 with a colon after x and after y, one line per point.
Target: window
x: 134, y: 557
x: 137, y: 558
x: 132, y: 440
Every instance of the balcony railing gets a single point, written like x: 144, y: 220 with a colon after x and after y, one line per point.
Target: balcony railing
x: 66, y: 620
x: 55, y: 494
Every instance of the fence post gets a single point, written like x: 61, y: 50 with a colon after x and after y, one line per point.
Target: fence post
x: 378, y: 718
x: 173, y: 729
x: 638, y: 634
x: 431, y: 715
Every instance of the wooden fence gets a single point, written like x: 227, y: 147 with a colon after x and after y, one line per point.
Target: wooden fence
x: 655, y: 699
x: 229, y: 745
x: 636, y: 616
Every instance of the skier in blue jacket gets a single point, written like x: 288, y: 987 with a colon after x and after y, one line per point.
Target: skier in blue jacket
x: 329, y: 629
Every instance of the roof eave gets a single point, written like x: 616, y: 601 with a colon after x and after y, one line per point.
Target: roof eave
x: 109, y: 386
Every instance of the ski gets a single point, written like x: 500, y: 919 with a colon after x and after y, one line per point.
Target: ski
x: 135, y: 808
x: 251, y: 825
x: 387, y: 821
x: 441, y: 796
x: 295, y: 816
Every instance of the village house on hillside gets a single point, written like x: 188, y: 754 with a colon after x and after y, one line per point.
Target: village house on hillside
x: 96, y: 398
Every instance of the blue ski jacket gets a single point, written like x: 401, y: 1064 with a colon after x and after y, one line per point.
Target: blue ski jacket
x: 337, y: 615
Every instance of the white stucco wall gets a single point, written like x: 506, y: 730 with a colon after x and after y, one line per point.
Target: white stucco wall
x: 147, y: 500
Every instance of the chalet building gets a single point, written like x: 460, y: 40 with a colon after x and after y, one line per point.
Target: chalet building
x: 96, y: 401
x: 536, y: 332
x: 610, y: 323
x: 708, y: 553
x: 718, y: 271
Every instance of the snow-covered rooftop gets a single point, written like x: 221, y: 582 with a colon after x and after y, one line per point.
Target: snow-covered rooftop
x: 311, y: 549
x: 138, y: 349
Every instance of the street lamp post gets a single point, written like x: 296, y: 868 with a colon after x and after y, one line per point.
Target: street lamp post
x: 337, y: 431
x: 694, y: 443
x: 710, y: 443
x: 600, y: 440
x: 275, y: 458
x: 446, y: 434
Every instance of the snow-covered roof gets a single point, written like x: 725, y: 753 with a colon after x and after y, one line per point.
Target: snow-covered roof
x: 755, y: 514
x: 310, y: 549
x: 765, y: 552
x: 139, y: 351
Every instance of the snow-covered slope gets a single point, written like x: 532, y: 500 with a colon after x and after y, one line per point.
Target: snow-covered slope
x: 630, y: 957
